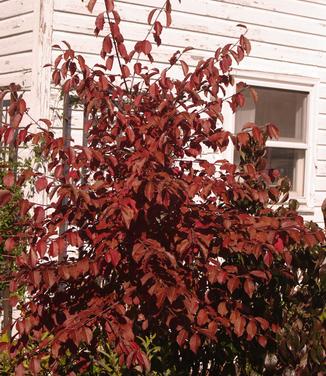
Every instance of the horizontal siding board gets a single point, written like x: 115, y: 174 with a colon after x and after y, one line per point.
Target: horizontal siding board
x: 16, y: 43
x: 76, y: 135
x: 14, y: 63
x: 239, y: 13
x: 14, y: 8
x: 22, y: 78
x: 322, y: 106
x: 321, y: 168
x: 321, y: 121
x: 321, y: 183
x: 16, y: 25
x: 217, y: 9
x: 321, y: 136
x: 200, y: 24
x: 308, y: 2
x: 179, y: 39
x: 76, y: 118
x: 295, y: 7
x: 322, y: 90
x: 318, y: 217
x: 319, y: 197
x: 321, y: 154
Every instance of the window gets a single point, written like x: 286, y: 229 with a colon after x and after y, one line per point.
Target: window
x: 4, y: 105
x: 288, y: 110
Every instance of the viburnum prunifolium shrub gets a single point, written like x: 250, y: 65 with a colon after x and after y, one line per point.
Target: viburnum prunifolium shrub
x: 165, y: 243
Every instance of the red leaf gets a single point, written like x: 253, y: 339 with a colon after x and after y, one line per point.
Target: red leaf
x: 222, y: 309
x: 149, y: 191
x: 10, y: 244
x: 109, y: 4
x: 137, y: 68
x: 99, y: 23
x: 58, y: 171
x: 181, y: 337
x: 202, y: 317
x: 288, y: 258
x: 35, y: 366
x: 263, y: 323
x: 115, y: 257
x: 257, y: 134
x: 168, y: 7
x: 168, y: 19
x: 5, y: 197
x: 125, y: 71
x: 239, y: 326
x: 109, y: 62
x: 21, y: 106
x: 39, y: 214
x: 245, y: 44
x: 268, y: 259
x: 107, y: 44
x: 9, y: 136
x: 185, y: 67
x: 36, y: 277
x: 57, y: 247
x: 243, y: 138
x: 20, y: 370
x: 251, y: 329
x: 130, y: 134
x: 233, y: 284
x: 25, y: 205
x: 272, y: 131
x: 310, y: 239
x: 123, y: 52
x: 49, y: 278
x: 150, y: 16
x: 147, y: 47
x: 88, y: 334
x: 262, y: 341
x: 259, y: 274
x: 91, y: 4
x: 9, y: 179
x: 221, y: 276
x: 143, y: 46
x: 158, y: 28
x: 41, y: 184
x: 138, y: 252
x: 127, y: 215
x: 195, y: 343
x: 279, y: 245
x: 249, y: 287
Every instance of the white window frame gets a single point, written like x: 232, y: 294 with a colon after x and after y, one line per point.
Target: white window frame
x: 308, y: 85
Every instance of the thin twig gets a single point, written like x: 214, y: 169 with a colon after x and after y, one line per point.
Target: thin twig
x: 116, y: 51
x: 147, y: 35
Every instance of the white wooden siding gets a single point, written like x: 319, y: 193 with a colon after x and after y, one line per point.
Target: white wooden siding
x: 288, y: 38
x: 16, y: 41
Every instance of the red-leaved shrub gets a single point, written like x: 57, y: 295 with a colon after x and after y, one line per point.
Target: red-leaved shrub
x: 144, y: 236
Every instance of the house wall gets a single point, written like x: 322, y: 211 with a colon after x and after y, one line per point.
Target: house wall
x: 16, y: 41
x: 288, y: 39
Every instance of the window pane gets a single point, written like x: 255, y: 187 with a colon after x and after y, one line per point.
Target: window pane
x: 284, y: 108
x: 290, y: 163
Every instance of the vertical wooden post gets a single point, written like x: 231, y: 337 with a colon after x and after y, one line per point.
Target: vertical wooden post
x: 42, y: 55
x: 66, y: 122
x: 66, y: 134
x: 11, y: 162
x: 85, y: 119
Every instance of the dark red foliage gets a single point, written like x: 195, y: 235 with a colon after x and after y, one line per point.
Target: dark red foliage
x: 156, y: 238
